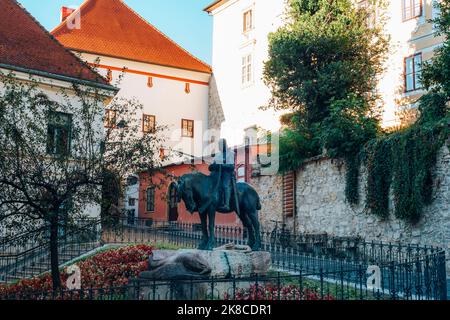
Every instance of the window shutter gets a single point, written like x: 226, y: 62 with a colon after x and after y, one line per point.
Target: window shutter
x: 289, y: 194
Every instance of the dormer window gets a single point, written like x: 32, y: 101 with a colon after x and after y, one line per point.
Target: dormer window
x: 248, y: 20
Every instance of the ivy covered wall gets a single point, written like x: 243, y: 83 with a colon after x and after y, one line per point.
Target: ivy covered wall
x: 321, y: 205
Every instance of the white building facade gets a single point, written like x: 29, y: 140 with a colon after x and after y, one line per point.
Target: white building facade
x: 31, y: 57
x: 147, y: 66
x: 170, y: 83
x: 240, y: 48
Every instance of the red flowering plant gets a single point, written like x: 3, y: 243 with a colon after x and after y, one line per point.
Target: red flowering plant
x: 272, y: 292
x: 112, y: 268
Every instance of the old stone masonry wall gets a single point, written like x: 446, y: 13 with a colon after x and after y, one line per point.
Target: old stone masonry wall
x: 270, y: 192
x: 321, y: 206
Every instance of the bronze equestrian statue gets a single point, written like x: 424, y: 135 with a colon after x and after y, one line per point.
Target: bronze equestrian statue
x: 217, y: 193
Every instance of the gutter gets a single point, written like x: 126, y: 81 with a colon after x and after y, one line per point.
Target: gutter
x: 60, y: 77
x: 214, y: 5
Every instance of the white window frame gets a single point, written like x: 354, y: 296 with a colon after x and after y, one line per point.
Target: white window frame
x: 247, y: 62
x: 246, y: 25
x: 414, y: 73
x: 412, y: 6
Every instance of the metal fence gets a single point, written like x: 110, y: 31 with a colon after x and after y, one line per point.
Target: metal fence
x: 331, y: 285
x: 314, y: 248
x: 333, y: 263
x: 28, y: 255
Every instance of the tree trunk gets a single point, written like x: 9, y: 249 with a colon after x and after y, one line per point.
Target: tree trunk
x: 54, y: 256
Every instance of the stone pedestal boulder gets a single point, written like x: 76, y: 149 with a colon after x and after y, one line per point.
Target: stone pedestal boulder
x: 197, y: 274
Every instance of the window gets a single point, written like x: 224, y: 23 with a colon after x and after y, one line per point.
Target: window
x: 131, y: 202
x: 150, y: 196
x: 109, y: 75
x: 132, y: 181
x: 148, y: 124
x: 247, y: 76
x: 413, y: 70
x: 110, y: 118
x: 411, y: 9
x: 248, y: 20
x: 187, y: 128
x: 58, y: 133
x: 240, y: 172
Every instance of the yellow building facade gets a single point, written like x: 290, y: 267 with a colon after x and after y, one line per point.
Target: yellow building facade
x: 412, y: 43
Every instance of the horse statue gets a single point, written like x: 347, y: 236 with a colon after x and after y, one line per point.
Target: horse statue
x: 202, y: 193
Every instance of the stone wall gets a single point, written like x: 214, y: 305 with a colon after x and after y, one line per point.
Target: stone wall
x: 321, y: 206
x: 270, y: 192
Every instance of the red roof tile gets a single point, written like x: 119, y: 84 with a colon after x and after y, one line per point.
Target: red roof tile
x: 25, y: 43
x: 111, y: 28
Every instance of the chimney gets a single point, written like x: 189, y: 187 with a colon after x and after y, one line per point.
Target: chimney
x: 65, y: 12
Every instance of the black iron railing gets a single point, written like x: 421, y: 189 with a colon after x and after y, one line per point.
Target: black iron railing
x: 421, y: 267
x: 323, y: 285
x: 28, y: 255
x: 346, y: 249
x: 406, y: 271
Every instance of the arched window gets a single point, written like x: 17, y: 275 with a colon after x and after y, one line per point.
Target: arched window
x: 150, y: 199
x: 173, y: 204
x: 132, y: 180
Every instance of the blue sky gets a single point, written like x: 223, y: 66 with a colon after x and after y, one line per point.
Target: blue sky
x: 182, y: 20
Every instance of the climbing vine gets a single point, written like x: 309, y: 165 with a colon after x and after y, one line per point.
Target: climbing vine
x: 379, y: 176
x: 404, y: 162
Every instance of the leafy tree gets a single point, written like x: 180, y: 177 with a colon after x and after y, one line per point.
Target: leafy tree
x: 55, y: 154
x: 322, y: 68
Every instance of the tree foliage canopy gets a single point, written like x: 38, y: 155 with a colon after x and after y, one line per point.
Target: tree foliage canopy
x: 56, y: 155
x: 322, y: 67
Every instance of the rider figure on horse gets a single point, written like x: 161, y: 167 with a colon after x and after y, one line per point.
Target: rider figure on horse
x: 224, y: 161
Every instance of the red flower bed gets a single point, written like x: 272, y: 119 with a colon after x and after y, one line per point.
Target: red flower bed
x: 112, y: 268
x: 271, y: 292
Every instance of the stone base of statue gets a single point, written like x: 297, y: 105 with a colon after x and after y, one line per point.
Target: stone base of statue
x: 190, y: 274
